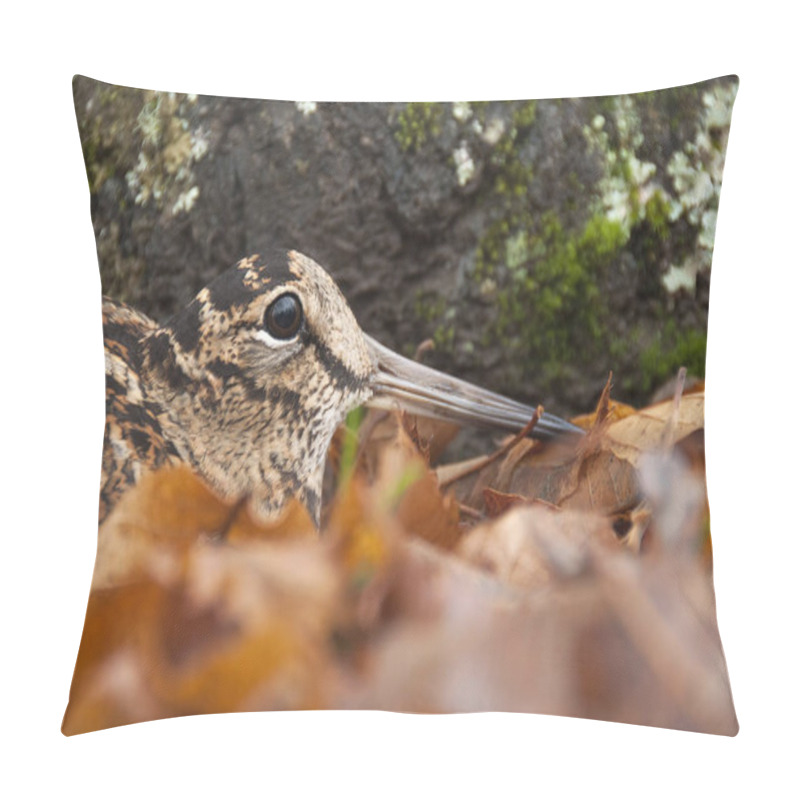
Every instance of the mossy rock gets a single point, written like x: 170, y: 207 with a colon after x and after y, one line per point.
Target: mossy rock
x: 541, y: 244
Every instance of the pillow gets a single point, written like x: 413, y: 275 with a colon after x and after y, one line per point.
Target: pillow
x: 317, y: 491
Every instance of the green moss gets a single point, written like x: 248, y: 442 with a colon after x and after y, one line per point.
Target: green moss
x: 514, y: 177
x: 656, y: 213
x: 416, y: 124
x: 444, y: 337
x: 525, y: 114
x: 427, y: 307
x: 106, y: 133
x: 550, y: 308
x: 670, y: 350
x: 432, y: 311
x: 94, y: 172
x: 560, y: 305
x: 601, y: 238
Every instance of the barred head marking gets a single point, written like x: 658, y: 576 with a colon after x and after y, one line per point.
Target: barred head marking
x: 257, y: 372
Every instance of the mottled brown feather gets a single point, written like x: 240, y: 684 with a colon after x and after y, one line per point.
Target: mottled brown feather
x: 134, y: 437
x: 210, y: 388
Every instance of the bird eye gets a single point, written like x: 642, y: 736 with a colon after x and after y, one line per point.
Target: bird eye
x: 284, y: 316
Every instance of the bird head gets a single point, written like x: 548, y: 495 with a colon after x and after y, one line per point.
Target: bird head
x: 257, y: 372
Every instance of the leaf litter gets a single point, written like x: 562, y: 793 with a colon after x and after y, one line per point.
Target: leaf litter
x: 572, y: 578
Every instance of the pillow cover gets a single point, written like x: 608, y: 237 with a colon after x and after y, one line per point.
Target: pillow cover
x: 291, y: 515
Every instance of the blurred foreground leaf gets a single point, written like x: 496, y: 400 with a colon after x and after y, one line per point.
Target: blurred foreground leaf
x: 571, y: 579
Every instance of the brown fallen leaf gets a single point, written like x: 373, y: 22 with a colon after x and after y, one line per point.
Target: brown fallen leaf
x: 530, y: 545
x: 547, y: 605
x: 174, y: 507
x: 616, y: 412
x: 215, y: 628
x: 632, y: 436
x: 579, y: 644
x: 599, y: 473
x: 431, y: 437
x: 497, y: 503
x: 410, y: 490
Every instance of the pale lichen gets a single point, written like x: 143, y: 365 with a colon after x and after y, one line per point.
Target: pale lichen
x: 149, y: 121
x: 185, y: 200
x: 517, y: 252
x: 170, y: 147
x: 465, y: 166
x: 199, y: 144
x: 462, y: 111
x: 627, y: 183
x: 306, y: 107
x: 493, y: 131
x: 683, y: 276
x: 696, y: 173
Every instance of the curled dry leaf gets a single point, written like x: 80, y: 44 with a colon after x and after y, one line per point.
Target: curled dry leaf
x: 597, y: 473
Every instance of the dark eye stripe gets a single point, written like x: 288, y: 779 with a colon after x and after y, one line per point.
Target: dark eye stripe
x: 341, y: 375
x: 284, y: 316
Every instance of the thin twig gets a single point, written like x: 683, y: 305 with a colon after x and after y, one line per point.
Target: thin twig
x: 469, y: 511
x: 501, y: 451
x: 668, y: 434
x: 423, y: 348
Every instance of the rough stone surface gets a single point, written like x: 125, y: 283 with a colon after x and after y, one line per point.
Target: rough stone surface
x: 540, y: 244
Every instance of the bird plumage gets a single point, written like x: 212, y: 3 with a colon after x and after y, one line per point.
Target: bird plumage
x: 249, y: 411
x: 249, y: 381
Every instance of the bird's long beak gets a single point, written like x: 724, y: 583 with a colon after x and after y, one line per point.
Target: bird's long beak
x: 413, y: 387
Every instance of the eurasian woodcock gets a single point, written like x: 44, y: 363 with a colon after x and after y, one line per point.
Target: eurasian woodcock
x: 248, y: 383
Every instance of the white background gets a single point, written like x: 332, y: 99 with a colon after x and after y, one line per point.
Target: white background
x: 52, y: 387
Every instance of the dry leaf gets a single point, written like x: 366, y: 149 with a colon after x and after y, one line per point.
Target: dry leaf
x: 597, y: 473
x: 544, y: 605
x: 174, y: 507
x: 410, y: 490
x: 215, y: 628
x: 528, y: 546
